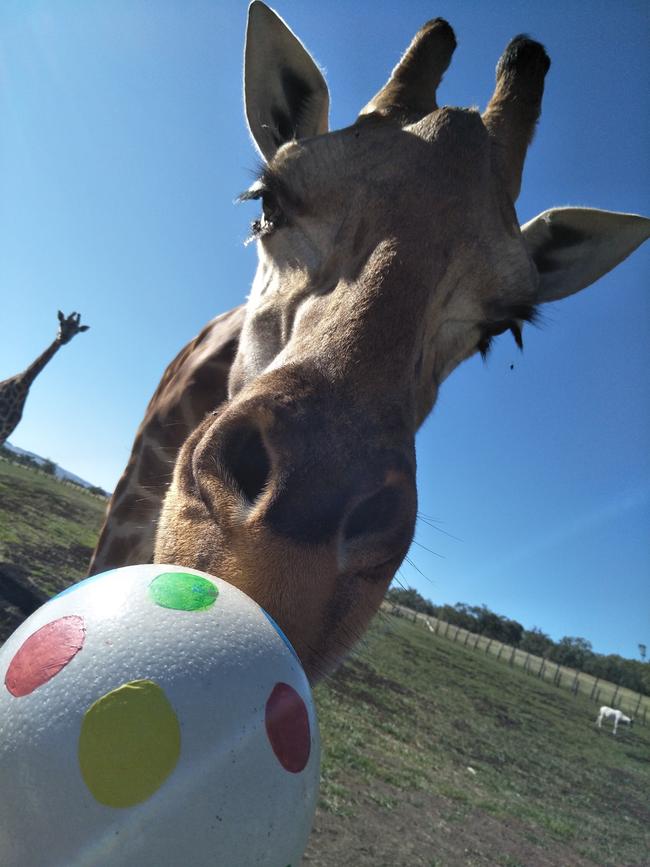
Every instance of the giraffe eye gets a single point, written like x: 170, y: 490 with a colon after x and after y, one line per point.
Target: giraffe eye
x: 272, y: 214
x: 272, y: 218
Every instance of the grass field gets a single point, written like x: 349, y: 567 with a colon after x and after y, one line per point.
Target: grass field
x: 433, y: 754
x: 47, y: 526
x: 601, y: 691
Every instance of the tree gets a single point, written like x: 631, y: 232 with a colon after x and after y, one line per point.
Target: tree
x: 536, y: 642
x: 512, y: 631
x: 49, y: 467
x: 569, y: 651
x: 572, y: 652
x: 100, y: 492
x: 410, y: 598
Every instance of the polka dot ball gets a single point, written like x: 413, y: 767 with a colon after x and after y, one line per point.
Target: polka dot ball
x: 155, y: 716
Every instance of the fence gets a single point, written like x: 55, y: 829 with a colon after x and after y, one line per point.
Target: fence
x: 599, y: 691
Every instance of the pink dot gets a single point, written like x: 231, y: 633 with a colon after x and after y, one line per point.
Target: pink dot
x: 44, y: 654
x: 287, y: 727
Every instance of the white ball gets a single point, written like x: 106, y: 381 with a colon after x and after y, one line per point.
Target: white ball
x: 154, y: 715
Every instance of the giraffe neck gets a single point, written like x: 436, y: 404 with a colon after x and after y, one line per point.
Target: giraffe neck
x: 35, y: 368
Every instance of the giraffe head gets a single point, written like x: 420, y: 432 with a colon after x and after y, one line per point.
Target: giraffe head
x: 69, y: 326
x: 389, y: 252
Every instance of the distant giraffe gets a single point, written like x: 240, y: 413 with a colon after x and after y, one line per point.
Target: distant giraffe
x: 13, y: 391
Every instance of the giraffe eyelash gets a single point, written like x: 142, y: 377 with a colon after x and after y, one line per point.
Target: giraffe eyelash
x: 492, y: 329
x: 272, y: 216
x: 259, y: 229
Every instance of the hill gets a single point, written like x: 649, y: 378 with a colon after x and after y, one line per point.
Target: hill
x: 432, y: 754
x: 57, y: 471
x: 48, y: 531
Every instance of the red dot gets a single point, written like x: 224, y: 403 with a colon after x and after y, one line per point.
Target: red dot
x: 287, y: 727
x: 44, y: 654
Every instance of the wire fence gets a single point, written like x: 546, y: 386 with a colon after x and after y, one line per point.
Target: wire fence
x: 601, y: 692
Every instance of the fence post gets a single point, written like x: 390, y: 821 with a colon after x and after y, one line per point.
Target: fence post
x: 558, y: 677
x: 487, y: 648
x: 593, y: 689
x: 499, y: 653
x: 540, y: 673
x: 638, y: 704
x: 614, y: 696
x: 574, y: 688
x: 476, y: 640
x: 446, y: 629
x: 466, y: 638
x: 526, y: 661
x: 512, y: 656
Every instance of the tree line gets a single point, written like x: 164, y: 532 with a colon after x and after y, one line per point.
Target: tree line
x: 45, y: 466
x: 570, y: 651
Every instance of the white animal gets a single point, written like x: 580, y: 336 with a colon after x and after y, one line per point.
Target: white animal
x: 610, y: 713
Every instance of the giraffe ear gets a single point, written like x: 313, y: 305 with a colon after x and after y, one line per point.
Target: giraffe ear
x: 60, y: 315
x: 285, y: 93
x: 573, y: 247
x: 83, y: 327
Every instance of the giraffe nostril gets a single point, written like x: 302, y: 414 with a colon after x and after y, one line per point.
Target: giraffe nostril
x: 376, y: 514
x: 246, y: 460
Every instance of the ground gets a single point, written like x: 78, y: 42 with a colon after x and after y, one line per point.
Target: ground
x: 432, y: 753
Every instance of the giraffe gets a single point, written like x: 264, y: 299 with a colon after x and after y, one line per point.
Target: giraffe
x: 278, y: 451
x: 14, y: 391
x: 194, y: 384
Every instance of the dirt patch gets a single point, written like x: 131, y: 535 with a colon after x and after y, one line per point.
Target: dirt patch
x: 358, y: 681
x: 497, y: 712
x: 10, y: 619
x: 424, y: 829
x: 508, y: 722
x: 18, y: 590
x: 621, y: 799
x: 21, y: 593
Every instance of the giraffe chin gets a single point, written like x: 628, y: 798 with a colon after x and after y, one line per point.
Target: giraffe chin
x: 322, y: 612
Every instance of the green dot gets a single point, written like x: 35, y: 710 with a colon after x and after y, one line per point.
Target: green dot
x: 183, y: 591
x: 129, y: 743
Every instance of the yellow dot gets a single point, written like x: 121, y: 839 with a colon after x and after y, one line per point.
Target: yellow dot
x: 130, y: 742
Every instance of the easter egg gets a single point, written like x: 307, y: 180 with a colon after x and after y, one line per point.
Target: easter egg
x: 154, y: 715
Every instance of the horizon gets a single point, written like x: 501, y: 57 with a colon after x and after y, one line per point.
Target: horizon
x: 457, y: 604
x: 124, y: 146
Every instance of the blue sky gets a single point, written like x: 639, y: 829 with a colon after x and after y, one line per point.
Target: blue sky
x: 123, y: 146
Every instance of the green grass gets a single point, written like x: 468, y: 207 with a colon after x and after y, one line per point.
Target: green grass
x: 412, y: 712
x: 47, y: 527
x: 404, y: 721
x: 604, y: 692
